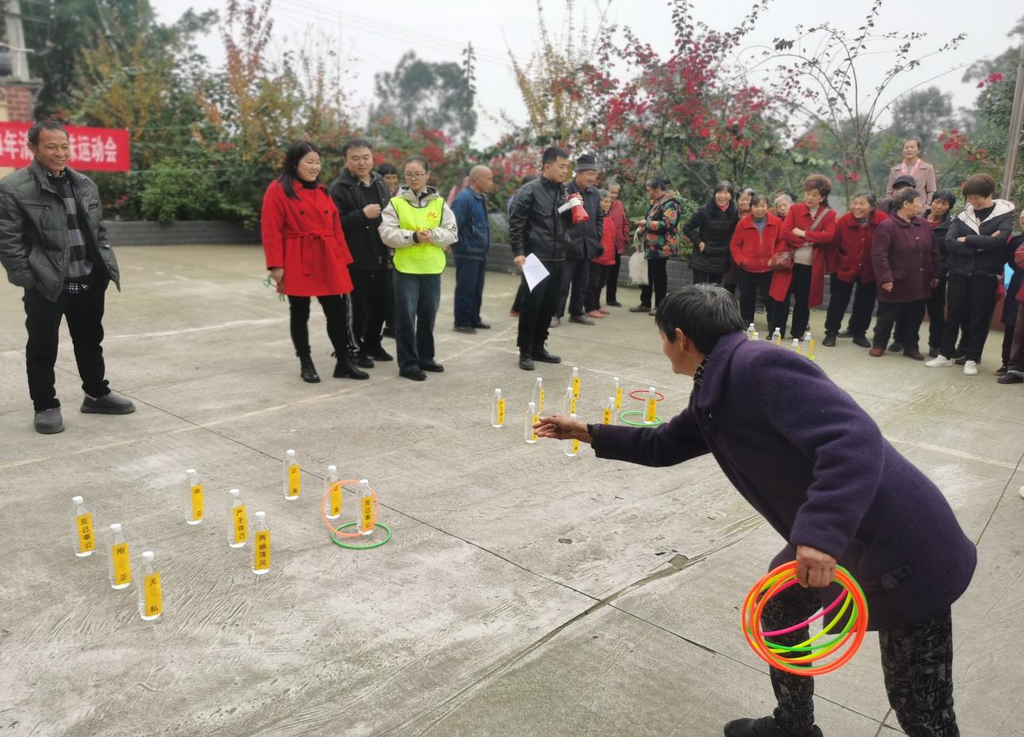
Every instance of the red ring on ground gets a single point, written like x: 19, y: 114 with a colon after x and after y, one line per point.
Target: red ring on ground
x: 643, y: 398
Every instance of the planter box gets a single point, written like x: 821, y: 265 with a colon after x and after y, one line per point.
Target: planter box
x: 197, y: 232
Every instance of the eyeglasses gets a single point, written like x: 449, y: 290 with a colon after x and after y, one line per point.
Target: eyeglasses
x: 415, y: 174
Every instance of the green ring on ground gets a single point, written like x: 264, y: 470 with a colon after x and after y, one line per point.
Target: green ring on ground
x: 348, y: 546
x: 638, y: 413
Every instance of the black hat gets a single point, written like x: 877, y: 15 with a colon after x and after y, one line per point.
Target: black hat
x: 904, y: 180
x: 586, y: 162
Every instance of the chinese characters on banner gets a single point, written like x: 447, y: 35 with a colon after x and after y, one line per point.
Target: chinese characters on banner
x: 92, y: 149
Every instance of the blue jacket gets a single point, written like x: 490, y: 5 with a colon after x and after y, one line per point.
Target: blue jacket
x: 817, y: 468
x: 470, y: 211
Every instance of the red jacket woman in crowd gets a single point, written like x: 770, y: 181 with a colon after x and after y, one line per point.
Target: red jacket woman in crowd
x: 806, y: 232
x: 848, y: 258
x: 752, y: 245
x: 307, y: 256
x: 618, y: 223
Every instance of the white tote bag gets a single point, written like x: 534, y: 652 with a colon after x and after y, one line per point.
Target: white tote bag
x: 637, y: 263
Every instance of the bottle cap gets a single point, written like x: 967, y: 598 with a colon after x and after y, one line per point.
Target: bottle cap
x: 533, y: 406
x: 572, y: 416
x: 332, y: 469
x: 116, y: 527
x: 363, y: 481
x: 259, y: 515
x: 190, y: 472
x: 651, y: 390
x: 147, y: 555
x: 234, y: 492
x: 289, y: 453
x: 76, y: 499
x: 497, y: 392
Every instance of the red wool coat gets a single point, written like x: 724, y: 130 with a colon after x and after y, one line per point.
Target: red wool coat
x: 799, y: 216
x: 618, y: 223
x: 753, y: 249
x: 849, y: 255
x: 304, y: 237
x: 607, y: 257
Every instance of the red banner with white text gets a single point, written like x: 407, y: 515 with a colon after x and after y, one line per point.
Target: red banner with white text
x: 92, y: 149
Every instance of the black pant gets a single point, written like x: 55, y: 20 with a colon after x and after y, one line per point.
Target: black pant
x: 538, y: 308
x: 575, y: 276
x: 84, y: 313
x: 335, y: 309
x: 613, y: 280
x: 937, y: 313
x: 1016, y: 362
x: 706, y: 277
x: 917, y: 664
x: 370, y: 293
x: 906, y: 316
x: 469, y: 291
x: 863, y: 305
x: 389, y: 311
x: 750, y: 284
x: 598, y: 278
x: 971, y: 302
x: 800, y: 290
x: 657, y: 282
x: 521, y: 294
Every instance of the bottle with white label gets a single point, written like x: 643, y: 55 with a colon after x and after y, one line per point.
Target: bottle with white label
x: 194, y: 498
x: 538, y: 394
x: 568, y: 402
x: 498, y: 410
x: 260, y: 544
x: 750, y: 331
x: 571, y: 447
x: 151, y: 598
x: 651, y: 407
x: 617, y: 392
x: 366, y: 509
x: 777, y: 337
x: 119, y: 561
x: 608, y: 413
x: 574, y: 382
x: 332, y: 502
x: 238, y: 532
x: 84, y: 538
x: 292, y: 476
x: 529, y: 421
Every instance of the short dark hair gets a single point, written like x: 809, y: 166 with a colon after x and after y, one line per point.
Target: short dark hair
x: 979, y: 184
x: 417, y: 160
x: 355, y: 143
x: 658, y: 182
x: 945, y: 194
x: 44, y: 125
x: 724, y: 186
x: 819, y: 182
x: 704, y: 312
x: 386, y: 168
x: 868, y: 195
x: 755, y: 198
x: 915, y: 139
x: 904, y: 197
x: 552, y: 154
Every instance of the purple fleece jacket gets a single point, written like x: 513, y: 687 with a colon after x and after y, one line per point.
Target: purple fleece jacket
x: 812, y: 462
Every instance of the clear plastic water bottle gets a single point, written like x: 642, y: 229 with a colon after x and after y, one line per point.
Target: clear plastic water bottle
x: 498, y: 410
x: 194, y: 500
x: 151, y: 595
x: 238, y: 532
x: 571, y: 447
x: 332, y: 504
x: 292, y: 476
x: 568, y: 402
x: 538, y: 394
x: 617, y: 392
x: 795, y: 345
x: 806, y: 342
x: 365, y: 523
x: 757, y: 335
x: 750, y: 331
x: 608, y: 413
x: 575, y: 382
x: 651, y: 407
x: 531, y: 420
x: 84, y: 538
x: 119, y: 563
x: 777, y: 337
x: 261, y: 544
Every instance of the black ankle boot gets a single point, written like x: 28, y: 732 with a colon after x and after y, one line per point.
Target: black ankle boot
x: 346, y: 368
x: 308, y: 371
x: 830, y: 340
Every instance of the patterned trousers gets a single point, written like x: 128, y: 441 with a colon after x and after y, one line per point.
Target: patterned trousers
x: 917, y: 662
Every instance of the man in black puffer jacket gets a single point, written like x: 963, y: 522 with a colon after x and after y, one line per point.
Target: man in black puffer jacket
x: 586, y: 242
x: 710, y: 229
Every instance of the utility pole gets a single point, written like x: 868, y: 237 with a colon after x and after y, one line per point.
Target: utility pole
x: 16, y: 41
x: 1016, y: 122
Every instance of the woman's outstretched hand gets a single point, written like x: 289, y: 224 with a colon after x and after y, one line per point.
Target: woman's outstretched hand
x: 562, y: 428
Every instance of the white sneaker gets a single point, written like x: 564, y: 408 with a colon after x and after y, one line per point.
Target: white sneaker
x: 939, y: 362
x: 971, y: 368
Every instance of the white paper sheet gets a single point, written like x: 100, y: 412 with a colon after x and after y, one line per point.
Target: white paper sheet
x: 534, y: 271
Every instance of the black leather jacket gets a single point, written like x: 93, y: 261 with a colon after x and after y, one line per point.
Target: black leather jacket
x: 361, y: 233
x: 535, y: 225
x: 586, y: 237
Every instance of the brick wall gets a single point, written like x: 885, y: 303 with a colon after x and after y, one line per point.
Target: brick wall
x: 19, y: 103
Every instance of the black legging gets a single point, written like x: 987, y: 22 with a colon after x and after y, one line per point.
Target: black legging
x: 657, y: 281
x: 335, y: 309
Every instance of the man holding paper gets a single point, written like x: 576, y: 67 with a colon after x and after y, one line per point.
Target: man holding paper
x: 539, y: 234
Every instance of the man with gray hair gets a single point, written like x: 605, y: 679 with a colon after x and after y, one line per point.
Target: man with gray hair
x: 470, y: 209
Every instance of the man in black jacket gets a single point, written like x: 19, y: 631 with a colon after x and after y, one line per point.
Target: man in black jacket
x: 586, y: 242
x: 360, y: 195
x: 536, y: 227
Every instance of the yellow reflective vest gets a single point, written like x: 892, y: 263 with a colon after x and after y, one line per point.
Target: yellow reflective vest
x: 419, y: 258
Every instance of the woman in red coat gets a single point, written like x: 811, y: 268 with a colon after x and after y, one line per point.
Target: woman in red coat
x: 752, y: 245
x: 307, y: 256
x: 618, y: 222
x: 806, y: 232
x: 849, y: 259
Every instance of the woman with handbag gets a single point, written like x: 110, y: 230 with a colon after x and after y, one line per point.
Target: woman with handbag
x: 659, y: 230
x: 710, y: 229
x: 799, y: 260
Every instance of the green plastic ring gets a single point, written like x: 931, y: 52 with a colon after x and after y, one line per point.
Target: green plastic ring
x: 639, y: 413
x: 348, y: 546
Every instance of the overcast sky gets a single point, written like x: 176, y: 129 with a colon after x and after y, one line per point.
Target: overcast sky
x: 369, y: 42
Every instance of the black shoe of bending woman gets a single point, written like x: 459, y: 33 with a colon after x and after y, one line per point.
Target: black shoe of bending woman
x: 346, y: 369
x: 308, y: 370
x: 764, y: 727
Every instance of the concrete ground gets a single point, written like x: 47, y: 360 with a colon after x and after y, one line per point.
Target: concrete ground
x: 524, y: 593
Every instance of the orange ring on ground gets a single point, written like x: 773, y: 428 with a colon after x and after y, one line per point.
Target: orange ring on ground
x: 327, y: 522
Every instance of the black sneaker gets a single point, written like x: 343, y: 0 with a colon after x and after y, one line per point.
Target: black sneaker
x: 1010, y: 377
x: 415, y: 374
x: 614, y: 304
x: 861, y: 341
x: 379, y: 354
x: 829, y: 341
x: 896, y: 347
x: 109, y: 404
x: 364, y: 361
x: 542, y: 355
x: 432, y: 366
x: 465, y: 329
x: 764, y: 727
x: 483, y: 325
x: 581, y: 320
x: 49, y: 421
x: 526, y: 362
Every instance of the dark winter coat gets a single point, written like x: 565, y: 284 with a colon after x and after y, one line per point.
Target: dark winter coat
x: 982, y: 253
x: 849, y: 255
x: 905, y: 254
x: 362, y: 233
x: 714, y: 227
x: 1011, y: 301
x: 535, y: 225
x: 586, y: 236
x: 939, y: 235
x: 470, y: 211
x: 817, y: 468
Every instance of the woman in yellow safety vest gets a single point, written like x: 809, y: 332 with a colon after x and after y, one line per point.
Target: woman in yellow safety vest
x: 420, y: 227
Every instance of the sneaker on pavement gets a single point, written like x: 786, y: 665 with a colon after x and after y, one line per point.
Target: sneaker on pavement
x: 765, y: 727
x: 49, y: 421
x: 654, y: 312
x: 614, y: 304
x: 379, y: 354
x: 970, y: 368
x: 465, y: 329
x: 1011, y: 377
x: 829, y: 341
x: 526, y: 362
x: 896, y: 347
x: 110, y: 404
x: 581, y: 320
x: 432, y: 366
x: 861, y: 340
x: 640, y: 308
x: 555, y: 322
x: 415, y: 374
x: 481, y: 325
x: 542, y: 355
x: 939, y: 361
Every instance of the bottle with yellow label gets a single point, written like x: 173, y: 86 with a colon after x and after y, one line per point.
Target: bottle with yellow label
x: 119, y: 563
x: 292, y: 476
x: 529, y: 421
x: 498, y: 410
x: 151, y: 599
x: 332, y: 504
x: 84, y: 538
x: 608, y: 413
x: 261, y: 545
x: 194, y: 501
x: 365, y: 510
x: 571, y: 446
x: 574, y: 381
x: 238, y: 531
x: 617, y: 392
x: 651, y: 407
x: 538, y: 394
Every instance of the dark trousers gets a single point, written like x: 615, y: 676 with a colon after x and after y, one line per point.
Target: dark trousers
x: 538, y: 308
x: 971, y: 302
x: 469, y: 291
x: 575, y: 277
x: 389, y: 309
x: 417, y: 297
x: 800, y: 290
x: 370, y: 293
x: 84, y: 313
x: 706, y: 277
x: 657, y: 282
x: 917, y: 664
x: 335, y: 309
x: 521, y: 295
x: 937, y: 313
x: 863, y: 305
x: 1016, y: 362
x: 613, y: 280
x: 906, y: 316
x: 595, y: 283
x: 750, y: 285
